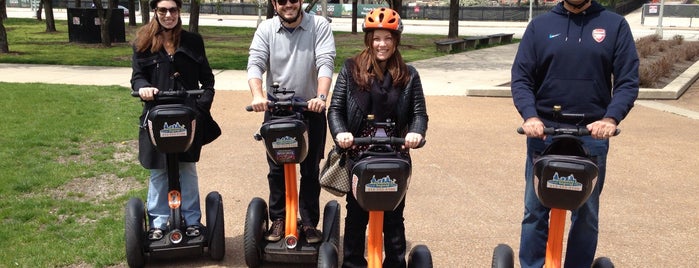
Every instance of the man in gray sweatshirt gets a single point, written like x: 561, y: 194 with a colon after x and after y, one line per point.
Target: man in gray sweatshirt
x: 297, y: 50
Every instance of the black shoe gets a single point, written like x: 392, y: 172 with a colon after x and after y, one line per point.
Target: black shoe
x: 312, y: 234
x: 276, y: 231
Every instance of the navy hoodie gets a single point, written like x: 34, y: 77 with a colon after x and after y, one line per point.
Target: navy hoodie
x: 585, y: 62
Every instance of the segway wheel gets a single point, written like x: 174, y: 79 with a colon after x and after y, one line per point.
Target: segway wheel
x: 327, y: 256
x: 503, y: 257
x: 134, y: 232
x: 215, y: 225
x: 420, y: 257
x: 602, y: 262
x: 331, y: 223
x: 256, y: 224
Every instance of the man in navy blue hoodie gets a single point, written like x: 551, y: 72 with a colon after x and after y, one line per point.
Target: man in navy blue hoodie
x: 583, y: 58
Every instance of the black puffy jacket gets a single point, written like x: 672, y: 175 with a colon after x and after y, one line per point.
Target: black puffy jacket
x: 156, y: 70
x: 345, y: 115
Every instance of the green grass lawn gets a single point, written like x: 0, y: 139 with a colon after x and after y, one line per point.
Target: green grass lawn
x: 68, y: 165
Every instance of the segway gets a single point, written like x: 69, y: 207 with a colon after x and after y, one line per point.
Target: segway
x: 564, y: 177
x: 285, y: 137
x: 171, y: 126
x: 380, y: 179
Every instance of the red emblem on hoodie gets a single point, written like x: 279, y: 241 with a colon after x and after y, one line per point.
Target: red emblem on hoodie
x: 598, y: 35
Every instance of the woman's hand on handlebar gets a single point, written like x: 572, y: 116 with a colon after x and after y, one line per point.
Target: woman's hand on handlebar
x: 316, y: 105
x: 603, y: 128
x: 259, y: 104
x: 147, y: 93
x: 534, y: 128
x: 412, y: 140
x: 344, y: 139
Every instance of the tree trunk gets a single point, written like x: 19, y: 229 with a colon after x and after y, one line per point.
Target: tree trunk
x: 354, y: 17
x: 3, y: 36
x: 194, y: 16
x: 78, y: 4
x: 132, y: 12
x: 39, y: 10
x: 50, y: 22
x: 453, y: 19
x: 145, y: 11
x: 4, y: 48
x: 397, y: 5
x: 105, y: 17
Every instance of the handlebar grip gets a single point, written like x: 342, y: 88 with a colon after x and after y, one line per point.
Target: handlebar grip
x: 384, y: 140
x: 580, y: 131
x: 249, y: 108
x: 172, y: 93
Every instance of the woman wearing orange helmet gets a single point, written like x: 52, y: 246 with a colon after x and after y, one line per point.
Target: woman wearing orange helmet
x: 377, y: 82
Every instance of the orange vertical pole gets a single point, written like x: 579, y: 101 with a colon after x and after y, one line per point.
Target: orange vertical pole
x: 375, y: 239
x: 292, y: 200
x: 554, y: 244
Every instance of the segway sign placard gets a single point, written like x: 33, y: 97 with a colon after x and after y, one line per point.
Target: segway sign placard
x: 174, y: 130
x: 568, y: 183
x: 385, y: 184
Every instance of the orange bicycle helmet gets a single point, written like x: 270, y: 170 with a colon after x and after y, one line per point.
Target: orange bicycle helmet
x: 382, y: 18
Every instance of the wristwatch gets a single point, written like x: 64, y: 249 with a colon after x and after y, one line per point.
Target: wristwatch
x: 322, y: 97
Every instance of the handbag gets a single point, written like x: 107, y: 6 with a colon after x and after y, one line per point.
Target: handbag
x: 334, y: 177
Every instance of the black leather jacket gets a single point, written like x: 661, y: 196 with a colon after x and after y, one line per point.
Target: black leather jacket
x: 345, y: 115
x: 156, y: 70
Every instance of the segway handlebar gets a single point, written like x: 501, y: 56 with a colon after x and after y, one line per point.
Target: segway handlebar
x: 384, y: 140
x: 282, y: 104
x: 173, y: 93
x: 575, y: 131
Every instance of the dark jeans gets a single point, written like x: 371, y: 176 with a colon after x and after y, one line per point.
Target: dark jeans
x: 582, y: 237
x: 394, y: 244
x: 309, y: 191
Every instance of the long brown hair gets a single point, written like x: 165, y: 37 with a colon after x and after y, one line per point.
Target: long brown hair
x: 149, y: 35
x: 366, y: 67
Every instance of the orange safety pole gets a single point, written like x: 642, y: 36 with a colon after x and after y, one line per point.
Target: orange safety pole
x: 375, y: 239
x: 292, y: 200
x: 554, y: 244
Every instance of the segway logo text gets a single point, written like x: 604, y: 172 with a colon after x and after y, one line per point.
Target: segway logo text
x: 564, y: 183
x: 174, y: 130
x: 385, y: 184
x: 285, y: 142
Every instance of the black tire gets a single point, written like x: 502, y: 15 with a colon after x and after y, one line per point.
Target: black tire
x: 134, y: 232
x: 256, y: 223
x: 215, y: 226
x: 327, y: 256
x: 602, y: 262
x: 503, y: 256
x: 420, y: 257
x: 331, y: 223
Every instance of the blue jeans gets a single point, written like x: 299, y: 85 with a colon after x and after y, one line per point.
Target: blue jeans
x: 582, y: 237
x: 158, y: 208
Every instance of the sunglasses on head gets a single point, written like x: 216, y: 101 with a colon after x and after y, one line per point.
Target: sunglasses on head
x: 164, y: 10
x: 283, y: 2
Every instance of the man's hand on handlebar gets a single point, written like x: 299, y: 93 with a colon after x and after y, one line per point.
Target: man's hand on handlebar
x: 602, y: 129
x: 534, y: 128
x: 259, y: 104
x: 147, y: 93
x: 316, y: 105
